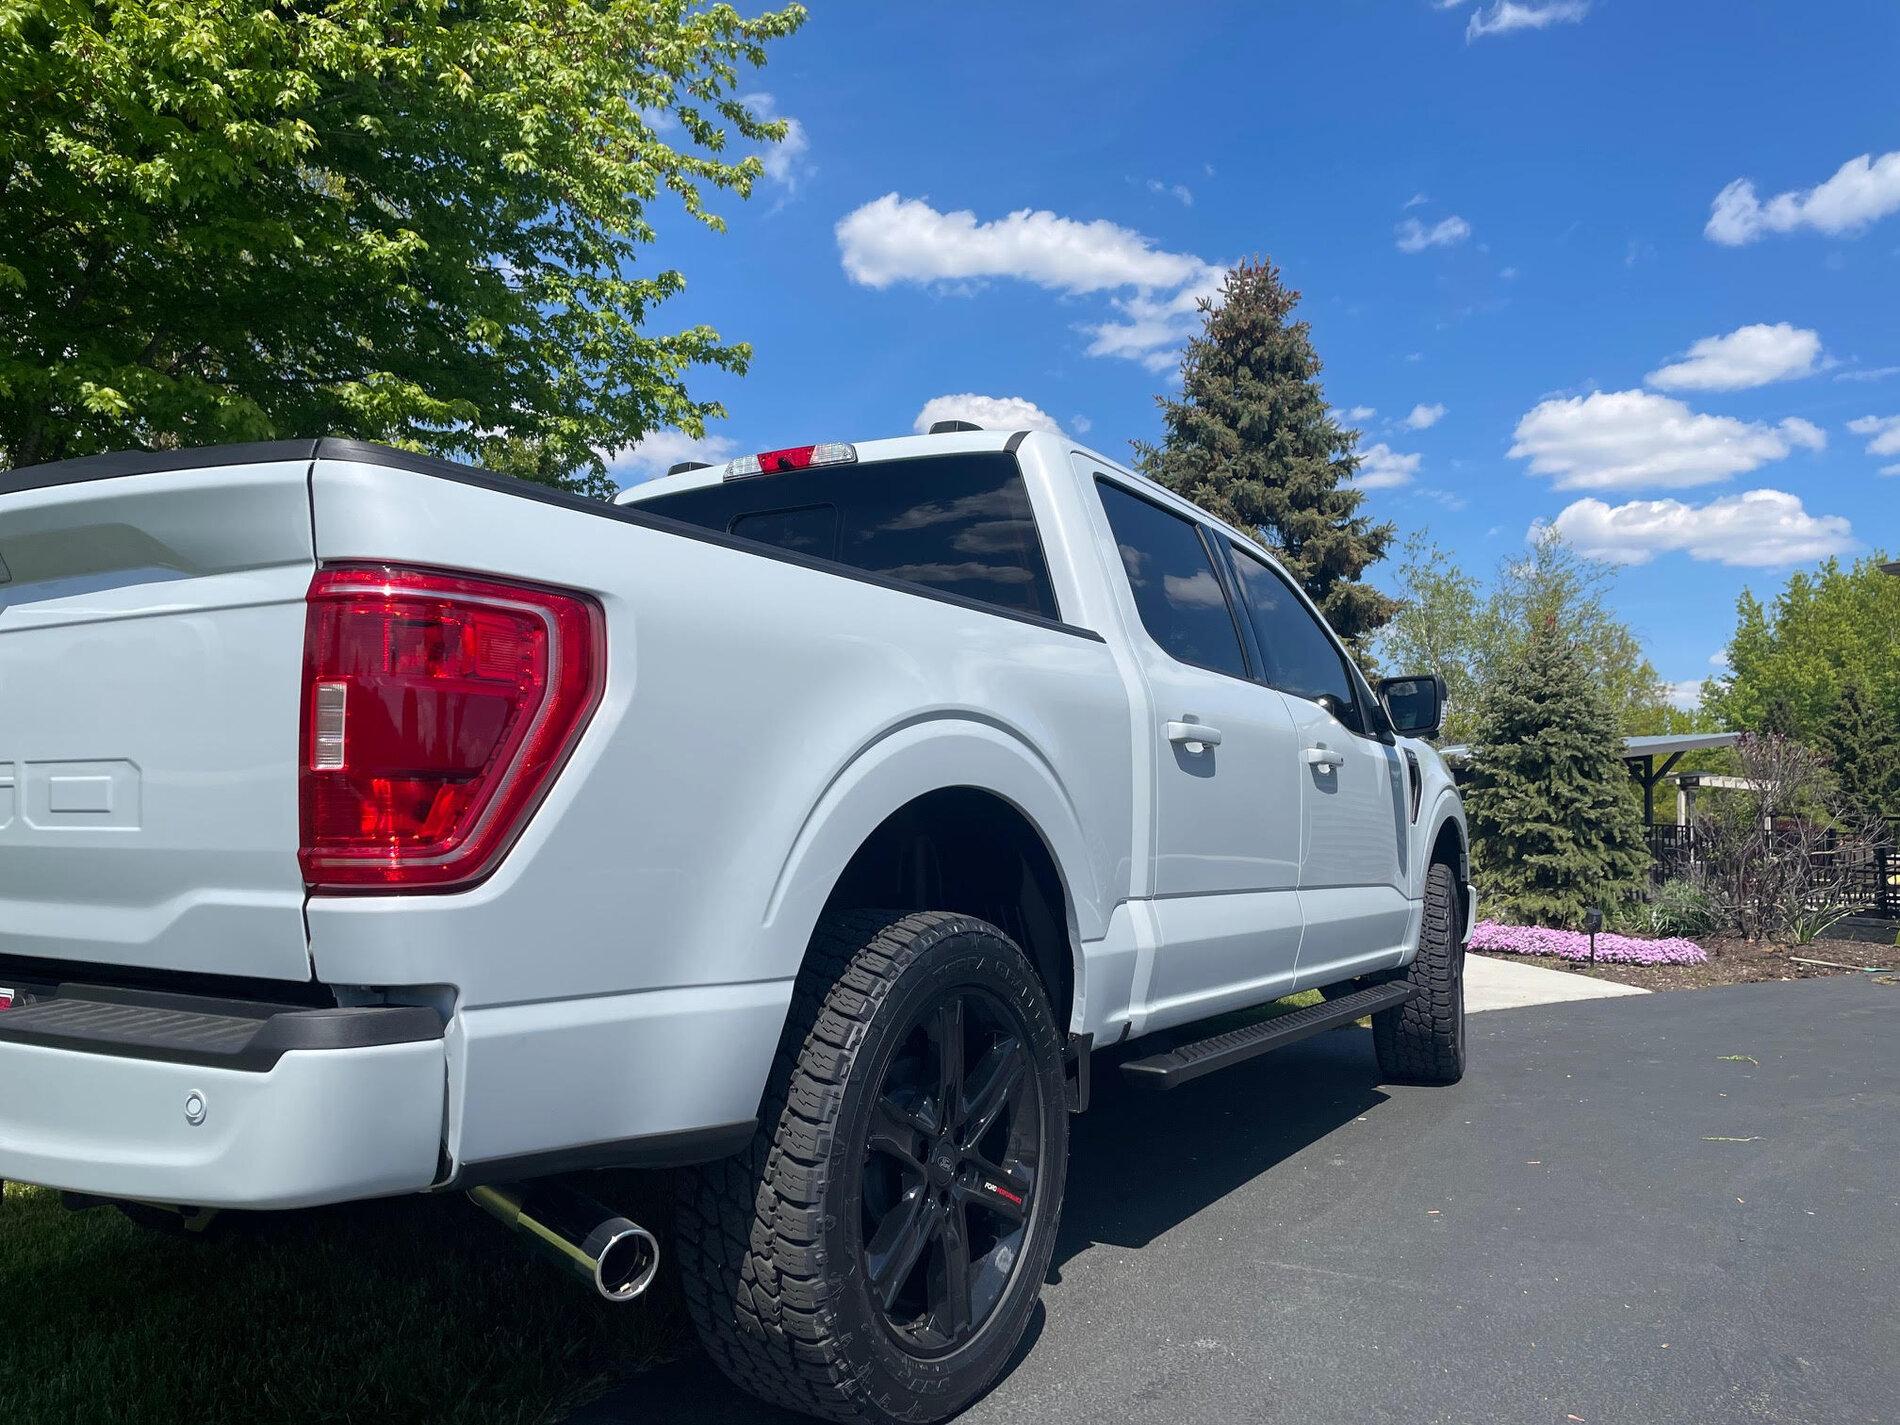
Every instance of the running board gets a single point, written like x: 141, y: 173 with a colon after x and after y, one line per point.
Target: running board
x: 1220, y: 1051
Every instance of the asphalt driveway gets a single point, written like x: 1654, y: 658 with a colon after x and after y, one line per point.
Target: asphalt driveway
x: 1671, y: 1207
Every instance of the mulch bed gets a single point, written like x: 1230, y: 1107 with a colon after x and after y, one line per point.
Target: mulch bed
x: 1732, y: 962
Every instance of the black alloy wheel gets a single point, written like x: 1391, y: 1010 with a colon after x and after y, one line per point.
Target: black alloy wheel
x: 950, y: 1171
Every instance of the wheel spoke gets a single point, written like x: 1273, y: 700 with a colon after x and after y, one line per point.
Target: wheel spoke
x: 895, y: 1131
x: 946, y: 1037
x: 891, y: 1254
x: 950, y: 1278
x: 989, y: 1088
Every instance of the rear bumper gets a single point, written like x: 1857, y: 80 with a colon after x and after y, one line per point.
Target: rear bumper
x: 176, y: 1104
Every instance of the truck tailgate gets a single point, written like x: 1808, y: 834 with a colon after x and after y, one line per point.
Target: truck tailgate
x: 151, y: 644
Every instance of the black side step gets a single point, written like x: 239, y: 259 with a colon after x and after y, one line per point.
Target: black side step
x: 1220, y: 1051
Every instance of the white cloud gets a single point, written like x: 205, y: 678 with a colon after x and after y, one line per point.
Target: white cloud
x: 1155, y: 324
x: 1868, y: 373
x: 1418, y: 199
x: 1358, y: 415
x: 787, y: 162
x: 1686, y: 694
x: 1414, y: 236
x: 1507, y: 16
x: 1424, y: 417
x: 1748, y: 356
x: 1382, y: 468
x: 894, y: 239
x: 1882, y: 432
x: 1863, y: 190
x: 990, y: 412
x: 1081, y: 425
x: 1758, y: 529
x: 656, y: 452
x: 1805, y: 434
x: 1619, y: 440
x: 1180, y: 192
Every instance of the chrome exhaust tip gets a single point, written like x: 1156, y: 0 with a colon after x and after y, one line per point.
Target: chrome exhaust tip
x: 619, y: 1257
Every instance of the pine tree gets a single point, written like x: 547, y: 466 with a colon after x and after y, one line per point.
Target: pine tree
x: 1863, y: 741
x: 1251, y: 440
x: 1555, y: 822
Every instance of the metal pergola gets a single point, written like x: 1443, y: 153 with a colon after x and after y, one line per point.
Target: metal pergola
x: 1642, y: 754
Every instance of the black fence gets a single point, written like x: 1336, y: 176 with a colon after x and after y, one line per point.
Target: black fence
x: 1869, y: 881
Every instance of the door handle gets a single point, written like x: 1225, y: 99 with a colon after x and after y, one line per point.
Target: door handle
x: 1194, y: 732
x: 1324, y: 756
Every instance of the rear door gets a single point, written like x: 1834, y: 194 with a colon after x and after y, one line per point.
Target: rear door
x: 151, y: 644
x: 1352, y: 788
x: 1226, y: 832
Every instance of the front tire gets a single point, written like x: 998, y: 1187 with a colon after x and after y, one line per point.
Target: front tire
x: 1423, y: 1041
x: 876, y: 1253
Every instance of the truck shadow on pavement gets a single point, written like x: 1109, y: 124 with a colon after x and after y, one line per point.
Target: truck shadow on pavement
x: 1140, y: 1164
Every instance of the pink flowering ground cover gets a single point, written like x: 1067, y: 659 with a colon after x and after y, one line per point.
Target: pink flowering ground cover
x: 1575, y: 945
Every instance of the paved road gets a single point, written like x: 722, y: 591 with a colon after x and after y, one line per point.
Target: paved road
x: 1669, y: 1208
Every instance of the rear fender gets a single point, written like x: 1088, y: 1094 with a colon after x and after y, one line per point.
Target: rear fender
x: 906, y: 762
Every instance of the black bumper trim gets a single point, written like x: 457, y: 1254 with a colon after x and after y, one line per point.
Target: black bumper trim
x: 658, y: 1150
x: 243, y: 1035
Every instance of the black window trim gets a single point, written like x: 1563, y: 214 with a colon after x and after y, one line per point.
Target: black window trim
x: 1212, y: 550
x: 1371, y: 713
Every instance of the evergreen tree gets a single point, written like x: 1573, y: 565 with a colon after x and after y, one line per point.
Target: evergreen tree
x: 1250, y: 439
x: 1863, y: 741
x: 1555, y: 822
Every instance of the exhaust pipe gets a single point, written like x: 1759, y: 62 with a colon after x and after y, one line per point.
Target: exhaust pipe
x: 619, y: 1257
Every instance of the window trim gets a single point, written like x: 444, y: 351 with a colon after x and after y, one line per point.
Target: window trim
x: 1209, y: 547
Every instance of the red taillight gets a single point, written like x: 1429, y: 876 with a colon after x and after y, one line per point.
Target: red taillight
x: 437, y: 709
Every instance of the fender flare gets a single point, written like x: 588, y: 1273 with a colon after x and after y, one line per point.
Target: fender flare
x: 1447, y: 809
x: 909, y: 760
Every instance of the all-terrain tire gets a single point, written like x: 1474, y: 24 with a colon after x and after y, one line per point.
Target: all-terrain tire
x: 770, y: 1240
x: 1423, y: 1041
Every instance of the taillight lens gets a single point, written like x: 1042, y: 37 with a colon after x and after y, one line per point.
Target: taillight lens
x: 437, y: 710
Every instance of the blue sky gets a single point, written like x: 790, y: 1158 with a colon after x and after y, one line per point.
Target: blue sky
x: 1631, y: 268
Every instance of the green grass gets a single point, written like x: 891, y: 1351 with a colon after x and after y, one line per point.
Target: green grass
x: 419, y: 1310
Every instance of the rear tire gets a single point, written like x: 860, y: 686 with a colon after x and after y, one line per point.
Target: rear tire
x: 875, y: 1254
x: 1423, y: 1041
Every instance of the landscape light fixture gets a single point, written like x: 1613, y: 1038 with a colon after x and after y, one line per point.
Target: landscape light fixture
x: 1593, y: 922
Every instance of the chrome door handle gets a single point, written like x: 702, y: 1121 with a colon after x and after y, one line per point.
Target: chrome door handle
x: 1194, y: 732
x: 1324, y: 756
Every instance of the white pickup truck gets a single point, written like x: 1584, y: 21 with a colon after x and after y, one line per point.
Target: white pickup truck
x: 371, y: 824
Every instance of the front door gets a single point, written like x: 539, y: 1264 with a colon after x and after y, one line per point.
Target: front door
x: 1354, y: 801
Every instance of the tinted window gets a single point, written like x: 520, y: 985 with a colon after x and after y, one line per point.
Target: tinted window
x: 1301, y: 659
x: 812, y: 530
x: 960, y: 524
x: 1182, y: 603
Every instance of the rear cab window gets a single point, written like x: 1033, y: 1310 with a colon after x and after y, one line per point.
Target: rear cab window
x: 1178, y: 591
x: 959, y: 525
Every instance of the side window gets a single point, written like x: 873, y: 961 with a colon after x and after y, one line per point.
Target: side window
x: 959, y: 524
x: 1301, y: 658
x: 1181, y: 600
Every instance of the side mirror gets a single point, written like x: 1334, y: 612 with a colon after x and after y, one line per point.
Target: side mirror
x: 1416, y: 706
